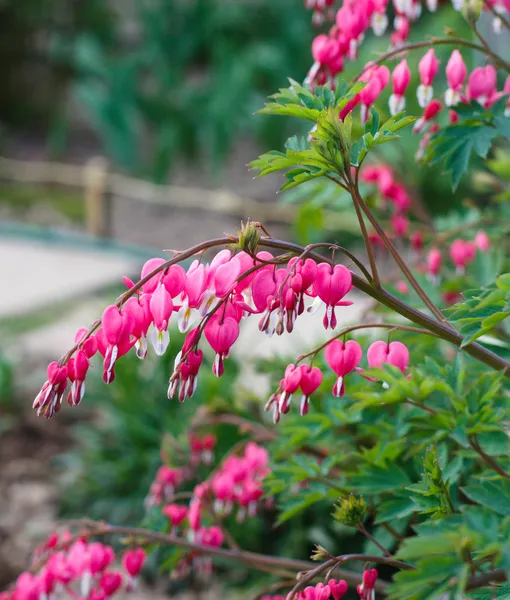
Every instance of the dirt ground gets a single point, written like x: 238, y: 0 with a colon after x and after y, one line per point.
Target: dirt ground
x: 28, y: 489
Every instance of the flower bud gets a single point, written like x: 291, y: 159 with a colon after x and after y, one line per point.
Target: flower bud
x: 350, y: 511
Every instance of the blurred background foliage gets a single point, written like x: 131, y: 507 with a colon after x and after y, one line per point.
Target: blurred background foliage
x: 155, y: 79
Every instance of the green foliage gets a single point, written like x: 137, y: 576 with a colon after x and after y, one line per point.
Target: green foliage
x: 482, y: 309
x: 493, y: 495
x: 406, y: 448
x: 454, y: 145
x: 432, y: 495
x: 187, y: 82
x: 350, y: 511
x: 331, y: 148
x: 110, y: 472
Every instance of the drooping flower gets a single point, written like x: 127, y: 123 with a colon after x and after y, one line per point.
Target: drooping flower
x: 395, y: 353
x: 482, y: 85
x: 133, y: 561
x: 462, y: 254
x: 400, y: 79
x: 338, y: 588
x: 434, y: 262
x: 331, y: 285
x: 431, y: 111
x: 482, y: 241
x: 311, y: 378
x: 161, y: 307
x: 289, y: 385
x: 221, y: 333
x: 456, y: 72
x: 176, y: 513
x: 343, y: 359
x: 428, y: 67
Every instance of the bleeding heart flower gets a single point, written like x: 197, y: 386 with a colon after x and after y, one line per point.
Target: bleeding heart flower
x: 331, y: 285
x: 395, y: 354
x: 221, y: 333
x: 343, y: 359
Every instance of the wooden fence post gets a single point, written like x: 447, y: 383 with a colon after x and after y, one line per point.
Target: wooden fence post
x: 97, y: 197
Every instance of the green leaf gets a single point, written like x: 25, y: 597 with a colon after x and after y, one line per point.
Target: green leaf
x: 494, y: 495
x: 433, y: 487
x: 455, y: 144
x: 297, y: 143
x: 394, y: 508
x: 290, y: 110
x: 501, y: 592
x: 482, y: 310
x: 374, y: 480
x: 502, y: 124
x: 294, y: 508
x: 398, y: 122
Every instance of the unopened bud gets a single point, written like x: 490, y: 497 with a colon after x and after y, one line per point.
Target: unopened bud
x: 471, y: 10
x: 249, y: 237
x: 319, y: 553
x: 350, y: 511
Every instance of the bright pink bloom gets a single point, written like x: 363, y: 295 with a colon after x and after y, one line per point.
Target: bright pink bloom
x: 311, y: 378
x: 482, y: 85
x: 77, y: 368
x: 338, y: 588
x: 452, y: 297
x: 428, y: 68
x: 161, y: 308
x: 401, y: 33
x: 462, y: 253
x: 416, y: 239
x: 195, y: 514
x: 395, y: 354
x: 194, y: 290
x: 350, y: 106
x: 324, y: 49
x: 400, y: 225
x: 49, y: 399
x: 289, y: 384
x: 366, y: 589
x: 352, y: 23
x: 174, y: 280
x: 99, y: 557
x: 431, y: 111
x: 177, y: 513
x: 89, y: 345
x: 377, y: 78
x: 116, y: 326
x: 164, y: 485
x: 400, y: 79
x: 110, y: 582
x: 148, y: 267
x: 456, y: 72
x: 343, y: 359
x: 434, y: 261
x: 331, y: 285
x: 371, y: 173
x: 322, y: 592
x: 221, y: 335
x: 133, y: 561
x: 139, y: 311
x: 402, y: 287
x: 211, y: 536
x: 482, y: 241
x: 113, y: 339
